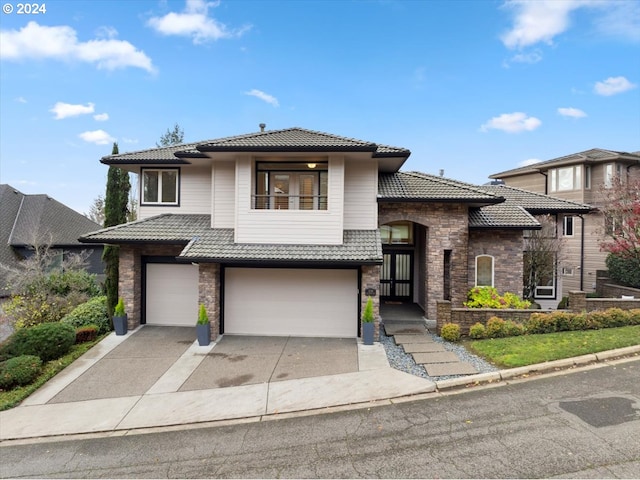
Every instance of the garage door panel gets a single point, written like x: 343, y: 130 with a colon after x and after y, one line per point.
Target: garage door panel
x: 171, y: 294
x: 301, y: 302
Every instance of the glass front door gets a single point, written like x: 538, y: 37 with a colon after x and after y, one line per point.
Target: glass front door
x: 396, y: 276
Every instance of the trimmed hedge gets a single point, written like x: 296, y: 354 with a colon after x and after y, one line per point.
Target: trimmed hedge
x: 557, y: 321
x: 47, y: 341
x: 93, y: 312
x: 624, y: 270
x: 19, y: 371
x: 86, y: 334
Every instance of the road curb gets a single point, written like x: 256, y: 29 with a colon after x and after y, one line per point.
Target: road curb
x: 511, y: 373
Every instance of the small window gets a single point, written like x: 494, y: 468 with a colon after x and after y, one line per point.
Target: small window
x: 567, y: 225
x: 587, y: 177
x: 484, y: 271
x: 567, y: 271
x: 160, y: 187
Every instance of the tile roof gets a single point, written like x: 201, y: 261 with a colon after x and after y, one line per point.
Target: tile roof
x: 595, y: 155
x: 536, y: 202
x: 416, y: 186
x: 502, y: 215
x: 286, y: 140
x: 208, y: 244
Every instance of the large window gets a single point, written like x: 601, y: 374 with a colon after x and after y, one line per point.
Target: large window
x: 567, y: 178
x: 160, y: 186
x: 612, y: 171
x: 291, y: 185
x: 484, y: 271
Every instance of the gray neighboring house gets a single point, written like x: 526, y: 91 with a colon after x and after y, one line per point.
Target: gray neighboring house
x: 27, y: 220
x: 287, y: 232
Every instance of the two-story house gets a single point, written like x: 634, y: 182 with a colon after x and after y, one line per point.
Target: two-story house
x: 578, y: 177
x: 288, y: 232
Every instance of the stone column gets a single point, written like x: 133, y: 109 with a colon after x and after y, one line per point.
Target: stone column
x: 578, y: 301
x: 129, y: 283
x: 209, y: 294
x: 443, y: 313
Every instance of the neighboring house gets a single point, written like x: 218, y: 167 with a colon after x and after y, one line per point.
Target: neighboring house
x: 578, y: 177
x: 39, y: 220
x: 287, y: 232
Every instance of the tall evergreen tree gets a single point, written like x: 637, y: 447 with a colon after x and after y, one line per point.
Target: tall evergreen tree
x: 116, y: 203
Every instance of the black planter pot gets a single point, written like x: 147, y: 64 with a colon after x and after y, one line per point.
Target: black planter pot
x: 203, y: 333
x: 367, y: 333
x: 120, y: 325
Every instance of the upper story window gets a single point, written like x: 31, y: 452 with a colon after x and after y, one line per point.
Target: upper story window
x: 587, y: 177
x: 160, y: 186
x: 397, y: 233
x: 611, y: 172
x: 566, y: 178
x: 291, y: 185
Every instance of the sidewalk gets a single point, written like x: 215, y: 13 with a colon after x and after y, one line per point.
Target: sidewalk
x: 162, y: 405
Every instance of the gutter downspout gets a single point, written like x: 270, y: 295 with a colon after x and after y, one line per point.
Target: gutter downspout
x: 581, y: 252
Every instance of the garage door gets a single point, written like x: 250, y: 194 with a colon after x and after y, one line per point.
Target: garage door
x: 171, y: 294
x: 288, y: 301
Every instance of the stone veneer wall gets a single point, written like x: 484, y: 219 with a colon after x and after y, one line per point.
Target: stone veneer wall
x: 209, y: 294
x: 370, y: 278
x: 578, y: 302
x: 447, y: 229
x: 506, y: 248
x: 466, y: 317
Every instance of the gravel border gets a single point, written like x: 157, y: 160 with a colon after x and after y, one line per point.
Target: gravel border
x: 404, y: 362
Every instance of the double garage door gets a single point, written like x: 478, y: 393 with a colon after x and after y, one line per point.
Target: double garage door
x: 260, y: 301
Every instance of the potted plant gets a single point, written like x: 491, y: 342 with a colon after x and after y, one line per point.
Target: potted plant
x: 368, y: 325
x: 120, y: 318
x: 203, y: 327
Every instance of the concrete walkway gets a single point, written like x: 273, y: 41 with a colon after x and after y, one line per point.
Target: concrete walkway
x: 161, y: 404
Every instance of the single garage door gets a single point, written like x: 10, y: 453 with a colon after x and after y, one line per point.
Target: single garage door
x: 171, y: 294
x: 291, y: 301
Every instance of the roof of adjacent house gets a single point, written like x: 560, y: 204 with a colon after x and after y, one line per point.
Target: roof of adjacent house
x: 593, y: 156
x: 27, y: 220
x: 287, y: 140
x: 217, y: 244
x: 422, y: 187
x: 536, y: 203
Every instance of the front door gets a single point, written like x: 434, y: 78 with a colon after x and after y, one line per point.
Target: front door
x: 396, y: 276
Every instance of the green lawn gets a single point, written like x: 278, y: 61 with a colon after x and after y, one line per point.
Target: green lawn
x: 11, y: 398
x: 530, y: 349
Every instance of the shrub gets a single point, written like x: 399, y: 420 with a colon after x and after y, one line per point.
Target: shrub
x: 617, y: 317
x: 513, y: 329
x: 93, y: 312
x: 495, y: 327
x: 450, y: 332
x: 624, y: 269
x: 564, y: 303
x: 477, y: 331
x: 539, y: 323
x: 47, y: 340
x: 488, y: 297
x: 19, y: 371
x: 634, y: 316
x: 87, y: 333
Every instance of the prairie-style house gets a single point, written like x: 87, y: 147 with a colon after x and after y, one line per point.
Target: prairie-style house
x: 578, y: 177
x: 288, y: 232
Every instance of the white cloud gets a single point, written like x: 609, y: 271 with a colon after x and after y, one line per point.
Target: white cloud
x: 101, y: 117
x: 66, y: 110
x: 537, y: 21
x: 99, y: 137
x: 21, y: 100
x: 530, y: 57
x: 263, y: 96
x: 34, y: 41
x: 529, y: 161
x: 130, y: 140
x: 194, y: 22
x: 613, y: 86
x: 512, y: 123
x: 571, y: 112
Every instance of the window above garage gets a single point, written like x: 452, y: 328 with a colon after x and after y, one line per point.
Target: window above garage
x: 160, y: 186
x: 298, y: 185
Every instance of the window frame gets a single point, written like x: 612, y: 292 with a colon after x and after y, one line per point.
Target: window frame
x: 320, y: 169
x: 559, y: 174
x: 159, y: 203
x: 493, y: 269
x: 568, y: 224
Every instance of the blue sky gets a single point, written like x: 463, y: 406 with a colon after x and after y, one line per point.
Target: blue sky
x: 471, y: 87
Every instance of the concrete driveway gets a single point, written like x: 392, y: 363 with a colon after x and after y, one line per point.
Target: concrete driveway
x: 136, y: 365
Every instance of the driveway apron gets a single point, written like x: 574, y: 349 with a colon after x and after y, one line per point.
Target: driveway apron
x: 132, y: 367
x: 246, y: 360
